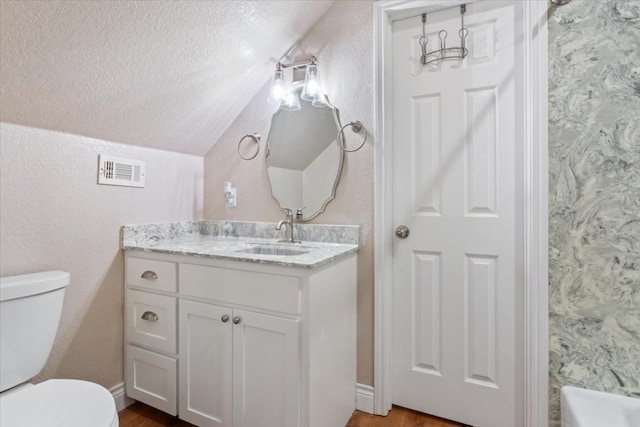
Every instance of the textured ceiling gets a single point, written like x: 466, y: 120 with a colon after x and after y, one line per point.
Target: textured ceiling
x: 171, y: 75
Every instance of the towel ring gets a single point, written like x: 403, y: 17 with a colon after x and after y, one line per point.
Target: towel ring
x: 256, y: 138
x: 356, y: 127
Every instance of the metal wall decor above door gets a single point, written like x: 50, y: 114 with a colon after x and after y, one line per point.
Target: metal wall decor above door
x: 443, y: 53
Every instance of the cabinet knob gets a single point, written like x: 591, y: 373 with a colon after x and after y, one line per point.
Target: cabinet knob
x: 236, y: 320
x: 225, y: 318
x: 149, y: 315
x: 151, y: 275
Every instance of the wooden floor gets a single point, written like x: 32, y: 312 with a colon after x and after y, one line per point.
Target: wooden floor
x: 140, y: 415
x: 399, y: 417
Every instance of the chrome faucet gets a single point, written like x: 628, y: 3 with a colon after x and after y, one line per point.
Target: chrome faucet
x: 288, y: 223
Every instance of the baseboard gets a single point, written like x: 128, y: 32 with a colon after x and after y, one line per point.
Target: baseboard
x: 120, y: 397
x: 364, y: 398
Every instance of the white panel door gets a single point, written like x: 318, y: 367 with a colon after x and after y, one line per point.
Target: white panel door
x: 266, y: 371
x: 205, y: 364
x: 457, y: 166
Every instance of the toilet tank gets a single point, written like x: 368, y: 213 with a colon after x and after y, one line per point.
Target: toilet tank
x: 30, y: 308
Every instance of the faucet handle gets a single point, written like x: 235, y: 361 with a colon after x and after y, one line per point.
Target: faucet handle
x: 299, y: 212
x: 288, y: 212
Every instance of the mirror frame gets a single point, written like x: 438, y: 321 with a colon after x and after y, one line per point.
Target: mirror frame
x: 336, y: 118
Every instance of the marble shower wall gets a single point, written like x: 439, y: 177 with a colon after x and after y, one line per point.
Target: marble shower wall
x: 594, y: 218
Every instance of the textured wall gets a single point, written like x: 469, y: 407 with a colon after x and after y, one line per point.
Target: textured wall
x: 343, y: 43
x: 53, y: 215
x: 171, y: 75
x: 594, y: 145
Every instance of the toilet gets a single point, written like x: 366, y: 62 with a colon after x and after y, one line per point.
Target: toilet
x: 30, y: 308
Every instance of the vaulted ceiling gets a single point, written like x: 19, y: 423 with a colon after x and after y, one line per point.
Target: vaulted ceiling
x: 171, y: 75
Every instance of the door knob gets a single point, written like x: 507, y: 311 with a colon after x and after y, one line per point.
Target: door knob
x: 236, y: 320
x: 402, y: 232
x: 225, y: 318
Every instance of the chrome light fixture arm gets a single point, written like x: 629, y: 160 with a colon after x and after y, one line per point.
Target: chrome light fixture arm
x: 299, y: 64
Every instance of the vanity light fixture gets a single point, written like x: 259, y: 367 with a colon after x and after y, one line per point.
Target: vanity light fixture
x: 278, y: 92
x: 311, y: 90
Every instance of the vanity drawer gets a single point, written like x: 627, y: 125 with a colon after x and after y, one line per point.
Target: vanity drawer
x: 261, y: 290
x: 151, y: 320
x: 152, y: 379
x: 151, y: 274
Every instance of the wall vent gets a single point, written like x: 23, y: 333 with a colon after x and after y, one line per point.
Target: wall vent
x: 119, y: 171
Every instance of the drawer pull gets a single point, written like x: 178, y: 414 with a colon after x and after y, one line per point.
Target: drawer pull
x: 236, y: 320
x: 151, y: 275
x: 225, y: 318
x: 149, y: 315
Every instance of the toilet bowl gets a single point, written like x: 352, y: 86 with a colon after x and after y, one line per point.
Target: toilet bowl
x: 30, y: 306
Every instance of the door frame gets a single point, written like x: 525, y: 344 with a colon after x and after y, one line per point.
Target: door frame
x: 535, y: 192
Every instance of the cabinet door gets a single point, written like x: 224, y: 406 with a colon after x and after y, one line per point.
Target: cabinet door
x: 266, y: 371
x: 151, y: 378
x: 205, y: 364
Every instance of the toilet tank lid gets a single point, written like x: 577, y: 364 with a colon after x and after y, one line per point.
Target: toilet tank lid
x: 24, y: 285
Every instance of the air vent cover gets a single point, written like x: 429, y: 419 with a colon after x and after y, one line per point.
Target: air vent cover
x: 119, y: 171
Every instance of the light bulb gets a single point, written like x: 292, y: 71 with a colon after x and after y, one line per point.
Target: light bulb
x: 312, y: 87
x: 278, y: 92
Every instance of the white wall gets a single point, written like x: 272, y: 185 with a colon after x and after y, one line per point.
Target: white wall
x: 53, y: 215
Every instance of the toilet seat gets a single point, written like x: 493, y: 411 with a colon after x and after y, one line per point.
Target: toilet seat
x: 59, y: 403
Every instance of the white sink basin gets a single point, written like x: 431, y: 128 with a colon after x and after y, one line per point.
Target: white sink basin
x: 279, y: 250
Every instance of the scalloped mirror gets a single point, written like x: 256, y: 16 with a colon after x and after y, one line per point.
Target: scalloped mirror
x: 304, y: 161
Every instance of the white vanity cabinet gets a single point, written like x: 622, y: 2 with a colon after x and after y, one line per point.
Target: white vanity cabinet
x: 248, y: 344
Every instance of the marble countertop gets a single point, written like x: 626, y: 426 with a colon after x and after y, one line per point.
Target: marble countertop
x: 225, y: 240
